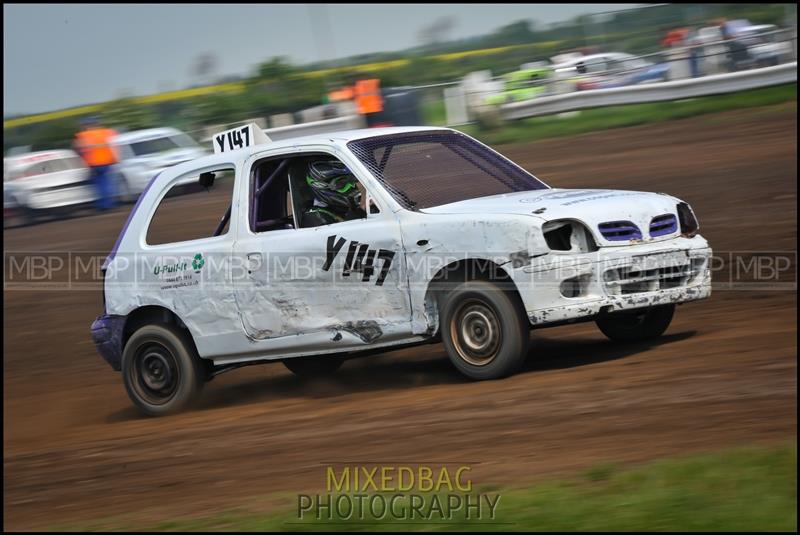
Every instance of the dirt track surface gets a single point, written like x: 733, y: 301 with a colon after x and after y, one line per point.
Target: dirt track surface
x: 723, y: 375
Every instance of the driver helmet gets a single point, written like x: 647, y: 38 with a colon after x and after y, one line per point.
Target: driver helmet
x: 333, y: 185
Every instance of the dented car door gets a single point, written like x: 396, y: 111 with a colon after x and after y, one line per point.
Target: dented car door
x: 324, y: 288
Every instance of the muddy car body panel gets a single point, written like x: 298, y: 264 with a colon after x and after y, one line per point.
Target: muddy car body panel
x: 250, y: 294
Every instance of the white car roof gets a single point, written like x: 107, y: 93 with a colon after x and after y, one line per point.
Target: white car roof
x: 142, y: 135
x: 19, y: 161
x: 330, y: 139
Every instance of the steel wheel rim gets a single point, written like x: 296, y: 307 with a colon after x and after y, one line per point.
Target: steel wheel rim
x: 476, y: 333
x: 156, y: 373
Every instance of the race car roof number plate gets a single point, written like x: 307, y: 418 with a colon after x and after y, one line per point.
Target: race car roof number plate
x: 239, y: 138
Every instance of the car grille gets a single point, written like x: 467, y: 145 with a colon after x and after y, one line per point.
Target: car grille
x: 629, y: 280
x: 619, y: 231
x: 662, y: 225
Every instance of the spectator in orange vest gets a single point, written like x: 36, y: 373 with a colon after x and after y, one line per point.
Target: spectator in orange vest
x: 93, y: 143
x: 368, y: 100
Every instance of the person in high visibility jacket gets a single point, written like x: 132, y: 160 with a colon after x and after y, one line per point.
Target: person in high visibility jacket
x: 94, y: 145
x: 345, y: 93
x: 368, y: 99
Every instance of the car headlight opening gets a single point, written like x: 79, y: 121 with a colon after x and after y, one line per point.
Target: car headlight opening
x: 688, y: 221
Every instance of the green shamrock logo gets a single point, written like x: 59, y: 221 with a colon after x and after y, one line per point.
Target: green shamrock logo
x: 198, y: 261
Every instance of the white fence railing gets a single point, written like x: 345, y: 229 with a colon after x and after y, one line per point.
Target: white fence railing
x: 325, y: 126
x: 547, y: 105
x: 654, y: 92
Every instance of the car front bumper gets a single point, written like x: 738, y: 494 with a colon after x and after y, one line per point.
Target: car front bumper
x: 616, y: 278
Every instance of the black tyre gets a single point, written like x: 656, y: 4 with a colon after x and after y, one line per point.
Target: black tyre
x: 313, y: 366
x: 19, y: 216
x: 161, y: 371
x: 484, y: 330
x: 637, y: 325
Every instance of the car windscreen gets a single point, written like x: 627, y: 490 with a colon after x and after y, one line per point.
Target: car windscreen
x: 432, y: 168
x: 155, y: 145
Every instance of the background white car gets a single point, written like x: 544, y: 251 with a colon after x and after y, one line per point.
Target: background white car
x: 44, y: 182
x: 574, y: 71
x: 145, y: 153
x: 766, y: 46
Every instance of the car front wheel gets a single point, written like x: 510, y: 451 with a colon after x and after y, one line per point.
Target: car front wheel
x: 484, y: 330
x: 637, y: 325
x: 161, y: 372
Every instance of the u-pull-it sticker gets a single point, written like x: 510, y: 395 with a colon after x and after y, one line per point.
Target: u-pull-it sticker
x: 360, y: 258
x: 239, y: 138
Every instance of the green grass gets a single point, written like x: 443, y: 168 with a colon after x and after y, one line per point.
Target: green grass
x: 633, y: 114
x: 735, y: 490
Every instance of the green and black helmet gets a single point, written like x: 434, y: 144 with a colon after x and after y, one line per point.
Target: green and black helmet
x: 334, y: 186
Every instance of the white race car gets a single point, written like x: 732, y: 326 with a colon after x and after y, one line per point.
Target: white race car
x: 576, y: 72
x: 145, y: 153
x: 44, y: 183
x: 451, y: 242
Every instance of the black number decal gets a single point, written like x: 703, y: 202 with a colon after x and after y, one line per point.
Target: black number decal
x: 359, y: 258
x: 334, y: 246
x: 387, y: 257
x: 348, y: 261
x: 367, y: 266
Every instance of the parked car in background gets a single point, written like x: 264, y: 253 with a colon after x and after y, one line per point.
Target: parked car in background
x: 765, y: 45
x: 44, y: 183
x: 530, y: 81
x: 145, y: 153
x: 595, y: 71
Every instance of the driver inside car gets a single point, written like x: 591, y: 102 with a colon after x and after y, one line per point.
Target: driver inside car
x: 336, y: 194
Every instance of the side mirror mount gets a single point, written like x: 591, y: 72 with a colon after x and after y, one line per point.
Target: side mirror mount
x: 207, y: 179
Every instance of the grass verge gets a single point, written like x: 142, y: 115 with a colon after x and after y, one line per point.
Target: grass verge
x: 584, y: 121
x: 750, y: 489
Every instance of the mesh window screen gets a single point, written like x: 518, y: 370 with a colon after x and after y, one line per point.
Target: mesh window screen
x: 425, y: 169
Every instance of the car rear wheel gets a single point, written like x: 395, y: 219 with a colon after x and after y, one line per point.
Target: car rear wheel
x: 637, y: 325
x: 484, y: 330
x: 19, y: 216
x: 161, y: 371
x: 313, y: 366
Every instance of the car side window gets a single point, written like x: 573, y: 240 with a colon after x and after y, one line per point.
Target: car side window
x: 125, y: 152
x: 190, y: 211
x: 270, y: 196
x: 595, y: 65
x: 57, y: 165
x: 303, y: 192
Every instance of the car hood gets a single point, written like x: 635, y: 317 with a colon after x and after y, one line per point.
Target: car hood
x: 589, y: 206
